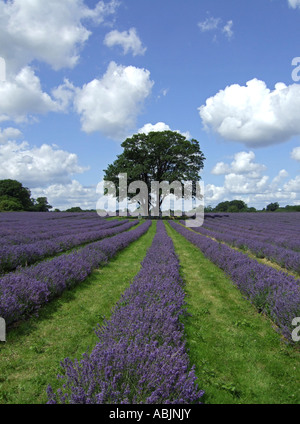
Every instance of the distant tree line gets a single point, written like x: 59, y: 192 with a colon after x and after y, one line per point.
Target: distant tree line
x: 240, y: 206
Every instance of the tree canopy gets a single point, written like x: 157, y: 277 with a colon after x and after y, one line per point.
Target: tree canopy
x: 272, y: 207
x: 157, y: 156
x: 13, y: 196
x: 231, y: 206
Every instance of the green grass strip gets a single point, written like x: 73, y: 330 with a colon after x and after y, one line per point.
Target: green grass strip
x: 239, y: 357
x: 30, y: 359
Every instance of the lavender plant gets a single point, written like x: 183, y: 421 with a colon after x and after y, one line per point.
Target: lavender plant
x: 141, y: 355
x: 25, y: 291
x: 26, y: 254
x: 261, y: 245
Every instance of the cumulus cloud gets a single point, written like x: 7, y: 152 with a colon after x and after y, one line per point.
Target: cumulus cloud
x: 9, y: 134
x: 294, y: 3
x: 49, y: 31
x: 253, y: 114
x: 293, y: 185
x: 295, y: 154
x: 245, y: 179
x: 37, y: 166
x: 160, y: 126
x: 23, y: 96
x: 243, y: 163
x: 111, y: 104
x: 128, y: 40
x: 65, y: 196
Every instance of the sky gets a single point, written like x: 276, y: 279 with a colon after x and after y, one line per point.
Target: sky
x: 77, y: 77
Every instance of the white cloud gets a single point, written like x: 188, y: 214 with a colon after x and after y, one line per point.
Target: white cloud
x: 128, y: 40
x: 246, y: 180
x: 23, y: 96
x: 242, y: 184
x: 228, y: 29
x: 294, y: 3
x: 37, y: 166
x: 295, y: 154
x: 214, y: 24
x: 9, y: 134
x: 209, y: 24
x: 160, y: 126
x: 253, y: 114
x: 65, y: 196
x: 293, y: 185
x: 111, y: 104
x: 242, y: 164
x: 279, y: 177
x: 49, y: 31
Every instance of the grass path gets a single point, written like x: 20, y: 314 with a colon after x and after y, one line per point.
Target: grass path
x: 239, y: 357
x: 248, y: 252
x: 30, y: 358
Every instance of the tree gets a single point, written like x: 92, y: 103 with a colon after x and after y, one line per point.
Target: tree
x: 232, y: 206
x: 41, y: 205
x: 272, y: 207
x: 157, y: 156
x: 75, y: 209
x: 14, y: 190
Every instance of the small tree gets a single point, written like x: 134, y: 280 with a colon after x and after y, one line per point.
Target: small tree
x: 272, y: 207
x: 41, y: 205
x: 75, y: 209
x: 232, y: 206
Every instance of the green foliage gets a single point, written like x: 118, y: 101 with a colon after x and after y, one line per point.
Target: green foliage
x: 75, y: 209
x: 41, y: 205
x: 232, y: 206
x: 272, y: 207
x: 14, y: 190
x: 15, y: 197
x: 289, y: 208
x: 10, y: 204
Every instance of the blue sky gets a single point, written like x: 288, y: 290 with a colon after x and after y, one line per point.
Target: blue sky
x: 82, y: 76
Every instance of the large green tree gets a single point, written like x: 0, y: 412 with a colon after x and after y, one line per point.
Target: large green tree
x: 157, y: 156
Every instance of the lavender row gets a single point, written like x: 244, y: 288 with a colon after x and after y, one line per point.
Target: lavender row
x: 141, y: 356
x: 278, y: 229
x: 26, y: 254
x: 286, y: 258
x: 23, y: 293
x: 33, y: 227
x: 273, y: 292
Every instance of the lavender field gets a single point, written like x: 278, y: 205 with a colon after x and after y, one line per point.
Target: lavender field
x: 149, y: 344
